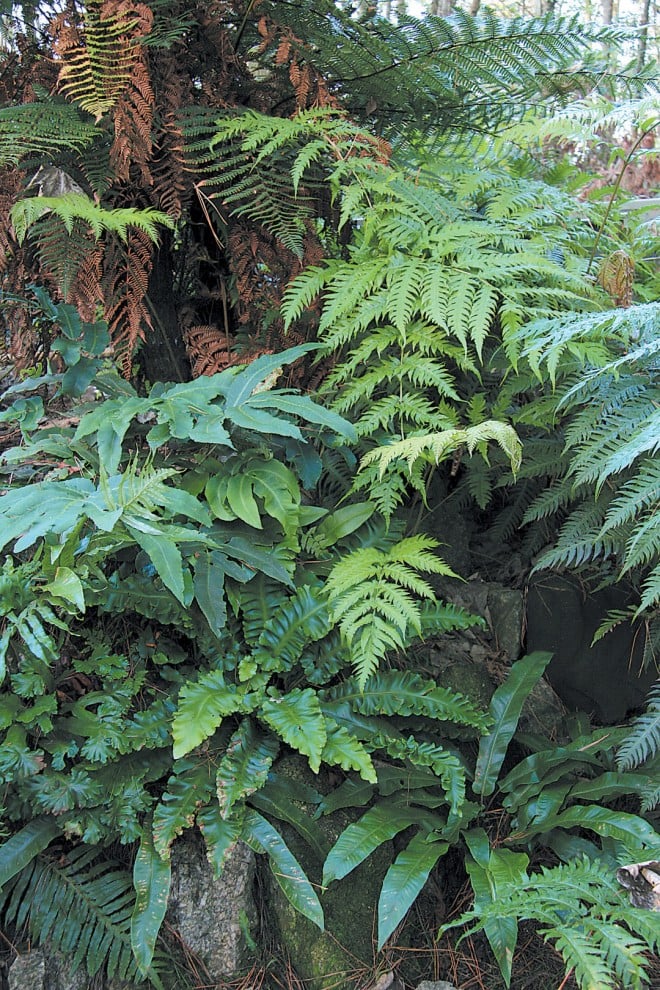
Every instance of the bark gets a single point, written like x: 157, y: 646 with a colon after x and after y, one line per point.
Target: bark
x: 644, y: 34
x: 442, y: 8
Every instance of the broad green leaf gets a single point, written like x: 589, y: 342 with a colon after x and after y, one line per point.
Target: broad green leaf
x: 629, y: 829
x: 209, y: 587
x: 404, y: 880
x: 190, y: 785
x: 259, y: 558
x: 278, y: 487
x: 505, y: 708
x: 220, y: 835
x: 380, y: 824
x: 246, y: 380
x: 262, y: 422
x: 245, y: 765
x: 343, y: 522
x: 305, y: 408
x: 241, y: 500
x: 351, y: 794
x: 202, y: 706
x: 281, y: 798
x: 18, y: 851
x: 344, y: 750
x: 166, y: 558
x: 502, y: 935
x: 78, y: 377
x: 151, y: 879
x: 262, y: 837
x: 298, y: 719
x: 66, y: 584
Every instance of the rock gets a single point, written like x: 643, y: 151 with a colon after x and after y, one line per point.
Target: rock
x: 27, y: 972
x: 507, y: 612
x: 435, y: 985
x: 345, y: 948
x: 213, y: 916
x: 605, y: 679
x: 43, y: 969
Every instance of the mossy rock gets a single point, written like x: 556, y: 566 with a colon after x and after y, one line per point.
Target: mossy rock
x: 339, y: 955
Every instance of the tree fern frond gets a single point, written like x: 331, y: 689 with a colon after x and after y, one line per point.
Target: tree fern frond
x: 418, y: 67
x: 95, y: 72
x: 43, y: 129
x: 643, y: 742
x: 83, y: 908
x: 75, y: 206
x: 439, y: 445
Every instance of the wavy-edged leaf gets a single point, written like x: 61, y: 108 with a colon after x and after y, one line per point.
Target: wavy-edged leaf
x: 152, y: 876
x: 356, y: 843
x: 298, y: 720
x: 505, y: 708
x: 404, y: 881
x: 263, y: 838
x: 201, y: 708
x: 245, y: 765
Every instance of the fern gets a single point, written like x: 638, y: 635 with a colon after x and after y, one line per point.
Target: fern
x: 95, y: 72
x: 372, y: 595
x: 415, y: 71
x: 45, y: 128
x: 643, y: 742
x: 83, y: 909
x: 437, y: 446
x: 75, y: 206
x: 611, y: 430
x: 580, y: 910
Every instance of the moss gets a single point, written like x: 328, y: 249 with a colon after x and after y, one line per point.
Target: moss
x: 345, y: 949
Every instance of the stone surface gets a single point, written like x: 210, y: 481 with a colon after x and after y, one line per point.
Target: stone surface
x: 27, y: 972
x: 212, y: 916
x: 435, y: 985
x: 507, y: 613
x: 329, y: 958
x: 605, y: 679
x: 42, y: 969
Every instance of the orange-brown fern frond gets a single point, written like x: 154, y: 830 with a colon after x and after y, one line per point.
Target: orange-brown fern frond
x: 208, y: 349
x: 96, y: 56
x: 133, y: 119
x: 127, y: 267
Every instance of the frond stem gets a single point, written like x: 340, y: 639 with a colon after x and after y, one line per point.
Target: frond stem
x: 617, y: 185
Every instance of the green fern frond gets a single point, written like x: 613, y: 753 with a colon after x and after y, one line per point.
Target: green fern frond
x: 440, y: 445
x: 83, y: 908
x: 75, y: 206
x: 643, y: 743
x: 459, y: 62
x: 374, y: 596
x: 45, y: 129
x: 579, y: 908
x: 403, y: 693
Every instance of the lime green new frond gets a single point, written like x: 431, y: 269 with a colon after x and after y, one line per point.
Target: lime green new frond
x: 437, y: 446
x: 374, y: 595
x: 75, y: 206
x: 95, y: 74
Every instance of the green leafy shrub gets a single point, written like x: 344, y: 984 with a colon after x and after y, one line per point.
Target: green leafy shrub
x: 164, y: 639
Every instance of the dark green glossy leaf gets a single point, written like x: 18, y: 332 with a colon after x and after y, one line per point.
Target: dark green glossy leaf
x: 261, y: 836
x: 151, y: 879
x: 505, y: 708
x: 404, y: 880
x: 18, y: 851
